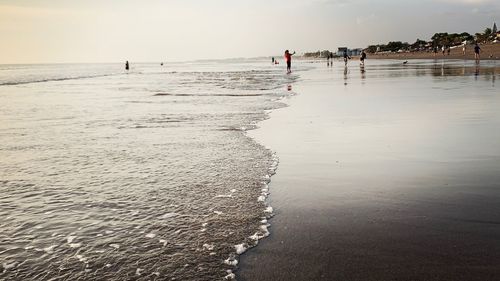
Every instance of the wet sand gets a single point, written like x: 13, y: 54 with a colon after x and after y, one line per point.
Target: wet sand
x: 386, y: 173
x: 488, y: 51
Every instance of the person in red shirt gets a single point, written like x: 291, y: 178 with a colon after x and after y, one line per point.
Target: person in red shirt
x: 288, y: 59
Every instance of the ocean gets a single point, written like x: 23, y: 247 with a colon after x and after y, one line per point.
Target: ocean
x: 141, y: 175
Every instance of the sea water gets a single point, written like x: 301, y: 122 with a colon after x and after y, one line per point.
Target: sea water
x: 143, y: 174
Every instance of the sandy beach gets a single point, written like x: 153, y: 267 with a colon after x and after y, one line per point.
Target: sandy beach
x: 489, y: 51
x: 385, y: 173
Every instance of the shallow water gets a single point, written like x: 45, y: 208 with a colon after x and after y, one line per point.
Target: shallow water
x: 142, y: 175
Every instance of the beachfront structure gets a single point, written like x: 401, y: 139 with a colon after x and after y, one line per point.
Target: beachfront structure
x: 350, y: 52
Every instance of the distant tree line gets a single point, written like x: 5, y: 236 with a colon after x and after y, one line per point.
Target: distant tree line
x: 437, y: 40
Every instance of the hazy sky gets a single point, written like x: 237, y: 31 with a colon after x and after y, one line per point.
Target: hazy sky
x: 166, y: 30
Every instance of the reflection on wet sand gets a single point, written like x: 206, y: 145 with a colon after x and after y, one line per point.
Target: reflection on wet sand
x: 346, y: 71
x: 485, y: 70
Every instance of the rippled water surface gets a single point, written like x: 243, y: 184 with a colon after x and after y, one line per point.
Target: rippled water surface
x: 142, y: 175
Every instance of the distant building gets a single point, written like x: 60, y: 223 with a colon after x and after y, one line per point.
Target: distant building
x: 350, y: 52
x: 341, y: 51
x: 355, y: 52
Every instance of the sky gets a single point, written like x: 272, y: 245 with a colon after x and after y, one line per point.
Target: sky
x: 59, y: 31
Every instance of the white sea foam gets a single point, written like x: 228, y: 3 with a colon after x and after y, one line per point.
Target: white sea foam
x: 230, y: 275
x: 233, y: 190
x: 75, y: 245
x: 231, y: 261
x: 261, y: 198
x: 208, y: 247
x: 163, y: 241
x: 70, y: 238
x: 240, y: 248
x: 264, y: 230
x: 218, y: 212
x: 169, y: 215
x: 138, y: 271
x: 116, y: 246
x: 82, y: 258
x: 269, y: 210
x: 109, y: 231
x: 150, y: 235
x: 50, y: 249
x: 224, y: 196
x: 255, y: 237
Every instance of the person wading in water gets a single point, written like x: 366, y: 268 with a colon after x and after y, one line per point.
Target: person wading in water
x: 288, y: 59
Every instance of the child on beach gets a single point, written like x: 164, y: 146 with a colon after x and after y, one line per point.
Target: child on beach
x: 288, y: 59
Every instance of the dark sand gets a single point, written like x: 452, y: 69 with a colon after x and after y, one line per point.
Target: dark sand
x: 488, y: 51
x: 388, y: 174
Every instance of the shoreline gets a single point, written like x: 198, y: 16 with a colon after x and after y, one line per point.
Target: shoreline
x: 338, y: 215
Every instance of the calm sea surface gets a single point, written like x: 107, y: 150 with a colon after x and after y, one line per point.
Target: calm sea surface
x: 141, y: 175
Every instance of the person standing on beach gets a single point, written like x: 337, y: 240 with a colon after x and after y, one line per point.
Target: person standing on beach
x: 443, y: 49
x: 346, y: 57
x: 362, y: 58
x: 464, y: 49
x: 272, y: 60
x: 448, y: 50
x: 477, y: 50
x: 126, y: 66
x: 288, y: 59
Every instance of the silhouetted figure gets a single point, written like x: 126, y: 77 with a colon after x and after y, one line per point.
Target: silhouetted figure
x: 127, y: 67
x: 288, y: 58
x: 477, y: 51
x: 362, y: 57
x: 272, y: 60
x: 448, y: 50
x: 346, y: 57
